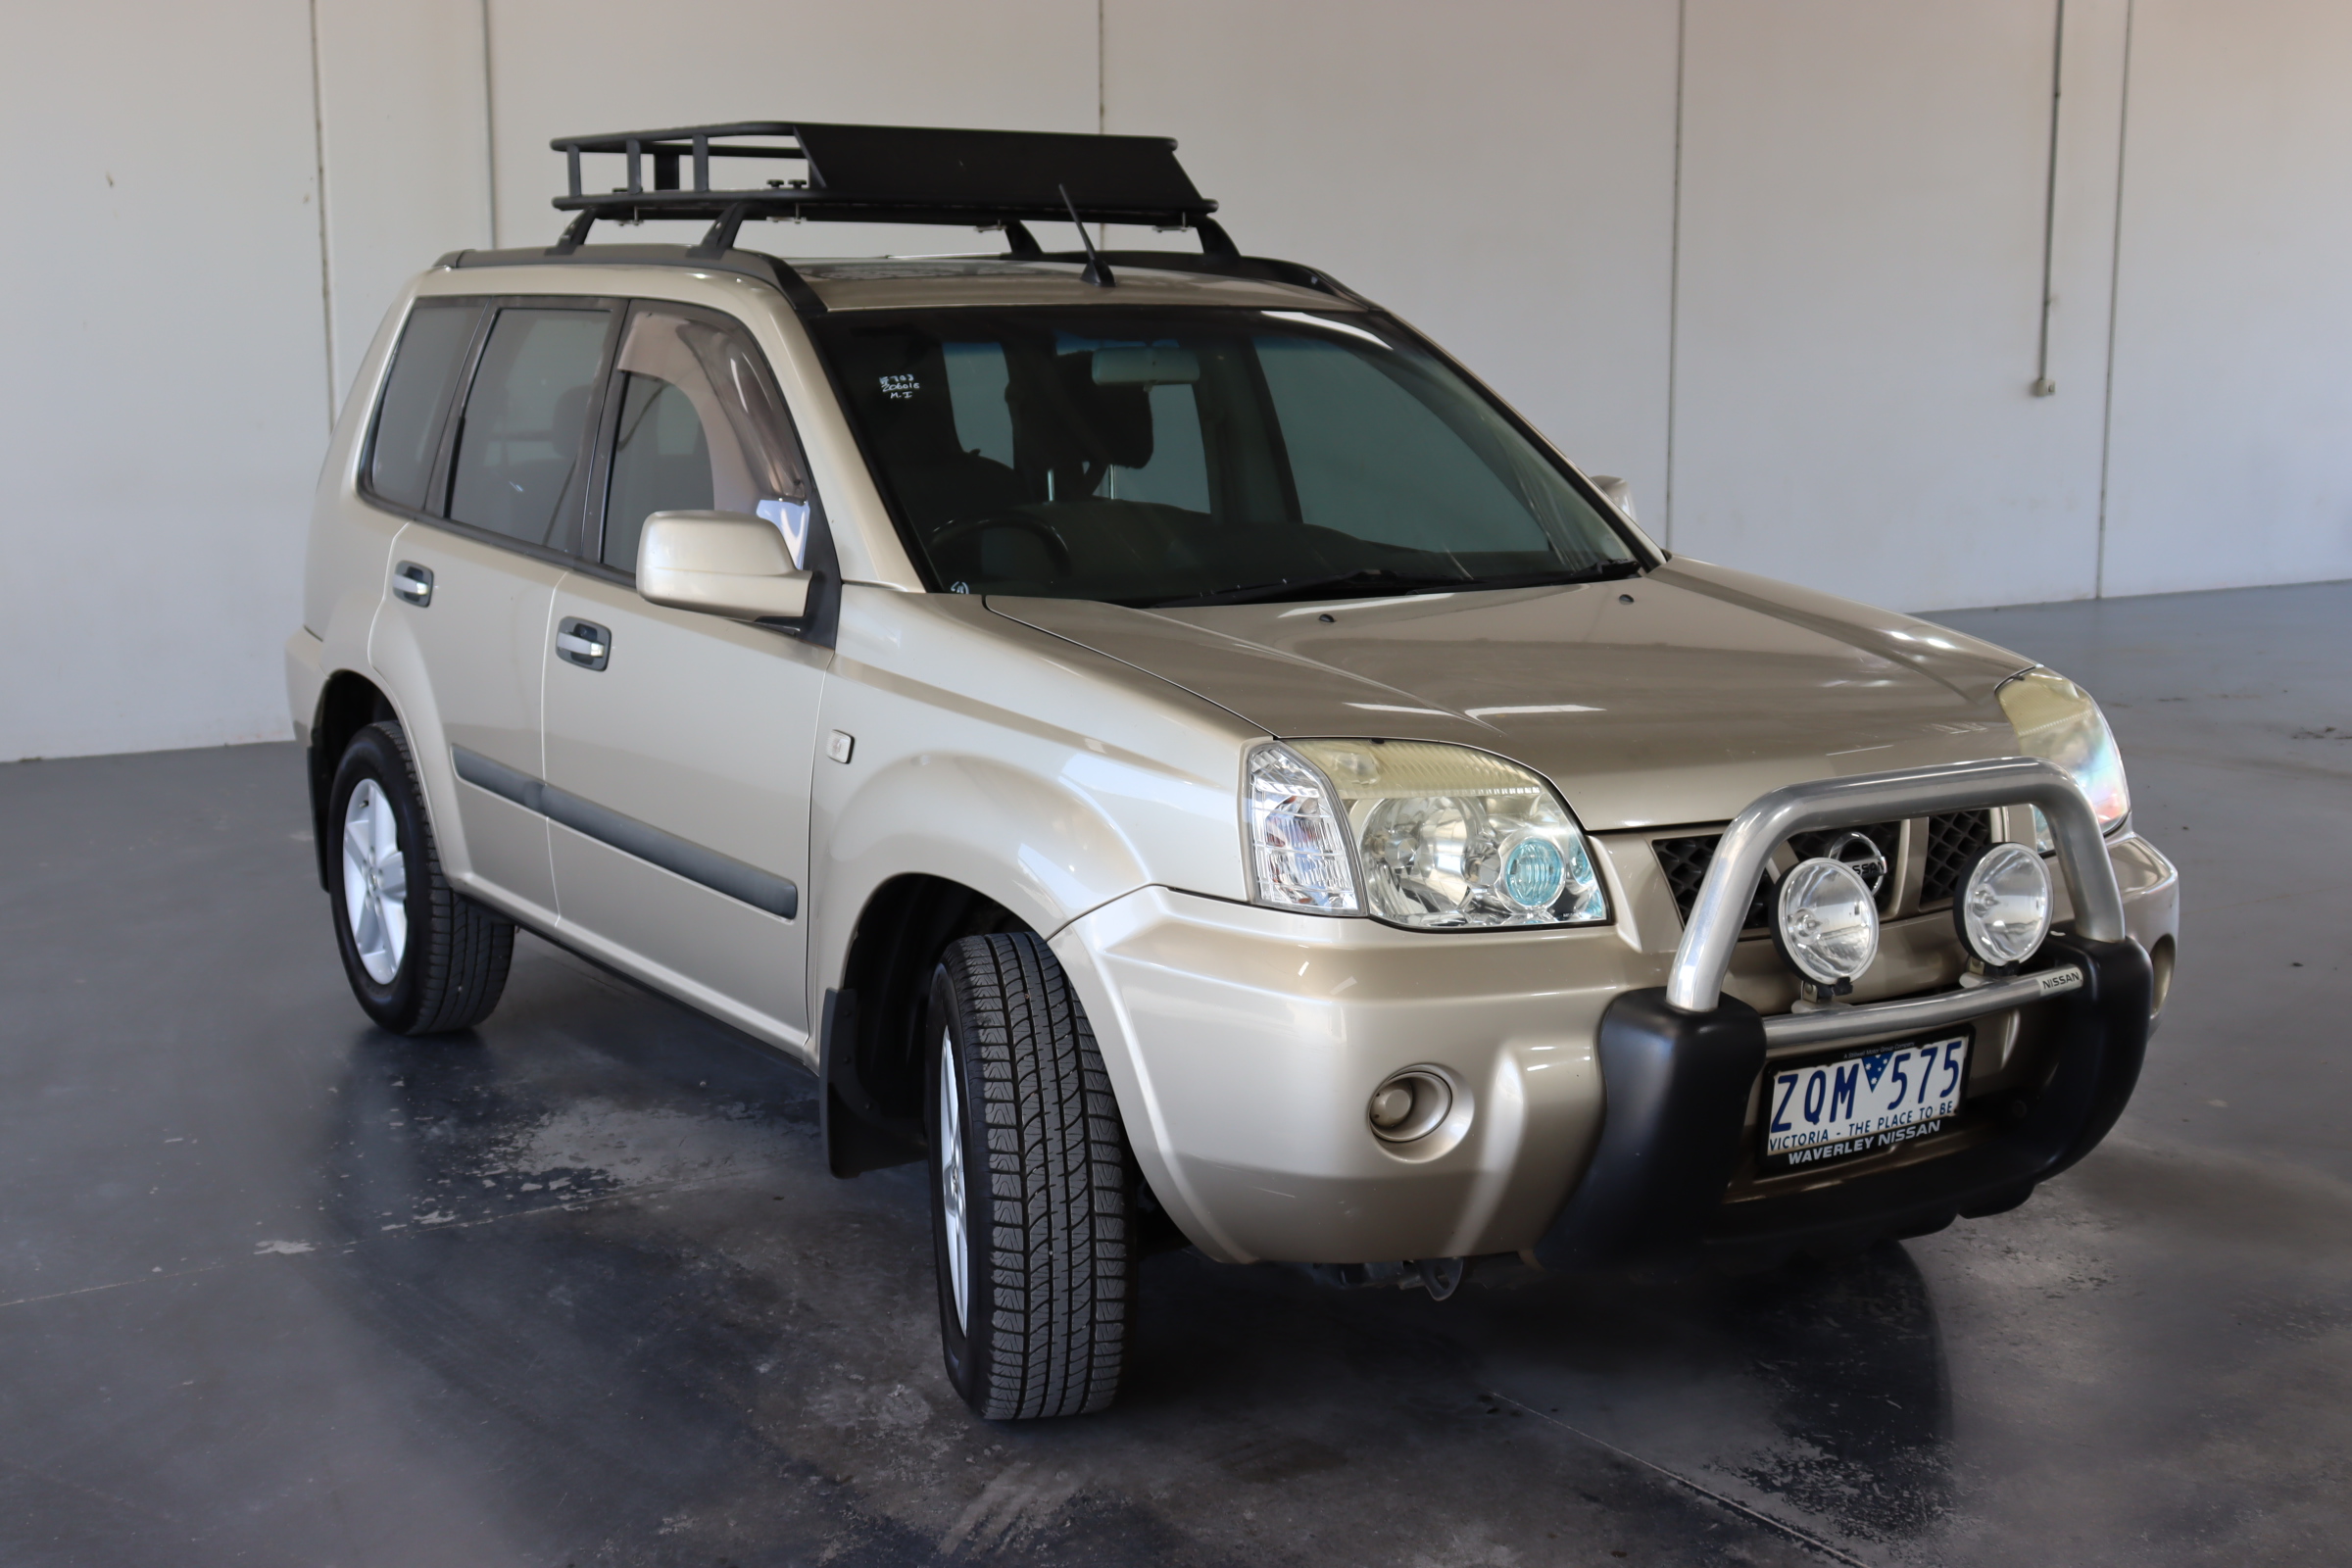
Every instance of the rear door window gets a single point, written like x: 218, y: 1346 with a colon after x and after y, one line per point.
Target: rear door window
x: 517, y: 468
x: 408, y: 422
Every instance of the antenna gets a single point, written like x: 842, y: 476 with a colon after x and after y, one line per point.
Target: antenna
x: 1096, y: 272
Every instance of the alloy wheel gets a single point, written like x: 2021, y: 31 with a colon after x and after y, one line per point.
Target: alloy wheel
x: 950, y: 1183
x: 375, y: 881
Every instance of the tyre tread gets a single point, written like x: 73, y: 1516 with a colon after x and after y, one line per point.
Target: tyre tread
x: 1059, y: 1244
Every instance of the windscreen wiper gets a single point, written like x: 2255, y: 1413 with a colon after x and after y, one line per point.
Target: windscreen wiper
x: 1342, y: 585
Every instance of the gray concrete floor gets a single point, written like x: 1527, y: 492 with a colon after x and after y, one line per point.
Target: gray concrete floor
x: 277, y: 1289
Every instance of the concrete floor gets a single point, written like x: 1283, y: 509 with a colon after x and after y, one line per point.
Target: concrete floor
x: 275, y: 1289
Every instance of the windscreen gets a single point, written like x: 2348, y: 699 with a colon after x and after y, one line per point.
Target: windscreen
x: 1201, y: 455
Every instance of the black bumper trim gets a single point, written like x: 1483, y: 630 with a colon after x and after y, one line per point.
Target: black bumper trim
x: 1678, y: 1086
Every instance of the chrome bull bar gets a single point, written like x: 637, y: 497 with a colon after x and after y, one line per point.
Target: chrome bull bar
x: 1695, y: 984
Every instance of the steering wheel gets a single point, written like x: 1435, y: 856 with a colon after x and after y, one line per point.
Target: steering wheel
x: 1057, y: 546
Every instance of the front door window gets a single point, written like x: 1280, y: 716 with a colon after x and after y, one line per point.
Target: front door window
x: 699, y: 430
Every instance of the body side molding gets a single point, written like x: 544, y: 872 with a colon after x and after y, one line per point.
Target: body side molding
x: 722, y: 874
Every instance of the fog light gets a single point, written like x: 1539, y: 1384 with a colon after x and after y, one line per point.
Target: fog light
x: 1410, y: 1104
x: 2003, y: 911
x: 1828, y: 924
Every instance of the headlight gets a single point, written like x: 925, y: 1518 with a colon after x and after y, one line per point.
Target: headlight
x: 2003, y: 911
x: 2057, y: 721
x: 1445, y: 837
x: 1827, y: 922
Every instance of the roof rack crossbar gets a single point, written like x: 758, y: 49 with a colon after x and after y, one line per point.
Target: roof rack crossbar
x: 573, y: 236
x: 721, y: 238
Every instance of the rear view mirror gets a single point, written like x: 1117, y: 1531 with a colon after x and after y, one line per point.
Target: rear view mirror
x: 1616, y: 492
x: 720, y: 563
x: 1147, y: 366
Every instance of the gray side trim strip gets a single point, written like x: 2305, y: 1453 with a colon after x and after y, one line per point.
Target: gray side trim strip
x: 721, y: 873
x: 498, y: 779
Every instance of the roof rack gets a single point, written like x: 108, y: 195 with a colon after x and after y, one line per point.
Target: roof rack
x: 912, y: 175
x: 894, y: 175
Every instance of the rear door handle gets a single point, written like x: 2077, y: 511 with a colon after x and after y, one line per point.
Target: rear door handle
x: 414, y: 583
x: 583, y: 643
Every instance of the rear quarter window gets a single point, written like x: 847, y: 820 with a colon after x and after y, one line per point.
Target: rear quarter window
x: 416, y: 400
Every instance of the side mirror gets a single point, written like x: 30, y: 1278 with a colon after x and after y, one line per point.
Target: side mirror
x: 720, y: 563
x: 1616, y: 492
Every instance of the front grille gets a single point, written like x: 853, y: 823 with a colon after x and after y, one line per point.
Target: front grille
x: 1684, y: 862
x: 1952, y: 838
x: 1886, y: 836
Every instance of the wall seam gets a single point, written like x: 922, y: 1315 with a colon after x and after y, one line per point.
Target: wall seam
x: 2043, y: 386
x: 326, y: 276
x: 1674, y: 270
x: 2115, y: 279
x: 489, y: 127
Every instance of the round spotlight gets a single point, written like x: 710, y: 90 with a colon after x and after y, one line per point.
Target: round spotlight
x: 1828, y: 924
x: 2003, y: 911
x: 1408, y: 1105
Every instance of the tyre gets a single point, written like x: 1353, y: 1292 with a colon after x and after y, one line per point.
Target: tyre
x: 1030, y: 1215
x: 421, y: 958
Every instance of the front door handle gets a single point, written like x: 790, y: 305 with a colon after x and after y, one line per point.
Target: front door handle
x: 414, y: 583
x: 583, y: 643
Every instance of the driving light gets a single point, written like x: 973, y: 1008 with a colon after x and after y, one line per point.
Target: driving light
x: 2003, y: 911
x: 1297, y: 848
x: 1449, y: 838
x: 1828, y: 922
x: 2057, y: 721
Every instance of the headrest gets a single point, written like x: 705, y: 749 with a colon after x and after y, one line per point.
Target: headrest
x: 1072, y: 420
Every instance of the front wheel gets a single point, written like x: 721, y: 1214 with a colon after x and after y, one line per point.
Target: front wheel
x: 421, y: 958
x: 1030, y: 1221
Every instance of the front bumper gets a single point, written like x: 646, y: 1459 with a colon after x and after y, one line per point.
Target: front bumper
x: 1664, y: 1186
x: 1608, y: 1126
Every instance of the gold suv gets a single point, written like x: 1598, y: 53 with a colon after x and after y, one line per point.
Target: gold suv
x: 1169, y: 749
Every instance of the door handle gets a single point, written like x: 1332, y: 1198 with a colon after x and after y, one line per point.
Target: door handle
x: 583, y: 643
x: 414, y: 583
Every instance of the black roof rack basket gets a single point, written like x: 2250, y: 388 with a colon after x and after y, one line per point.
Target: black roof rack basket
x: 997, y: 179
x: 891, y: 173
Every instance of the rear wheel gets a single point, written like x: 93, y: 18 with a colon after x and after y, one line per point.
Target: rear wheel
x: 1031, y: 1228
x: 421, y: 956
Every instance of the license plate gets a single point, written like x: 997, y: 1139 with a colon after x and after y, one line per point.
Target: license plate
x: 1862, y: 1101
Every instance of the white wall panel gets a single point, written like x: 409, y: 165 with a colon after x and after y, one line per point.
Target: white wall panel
x: 404, y: 123
x: 167, y: 401
x: 1500, y: 172
x: 2232, y: 424
x: 1863, y: 192
x: 563, y: 68
x: 1859, y: 205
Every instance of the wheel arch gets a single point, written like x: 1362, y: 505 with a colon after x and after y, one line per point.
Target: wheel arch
x: 348, y: 703
x: 869, y: 1048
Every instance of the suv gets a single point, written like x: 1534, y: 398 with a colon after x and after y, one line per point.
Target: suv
x: 1165, y: 746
